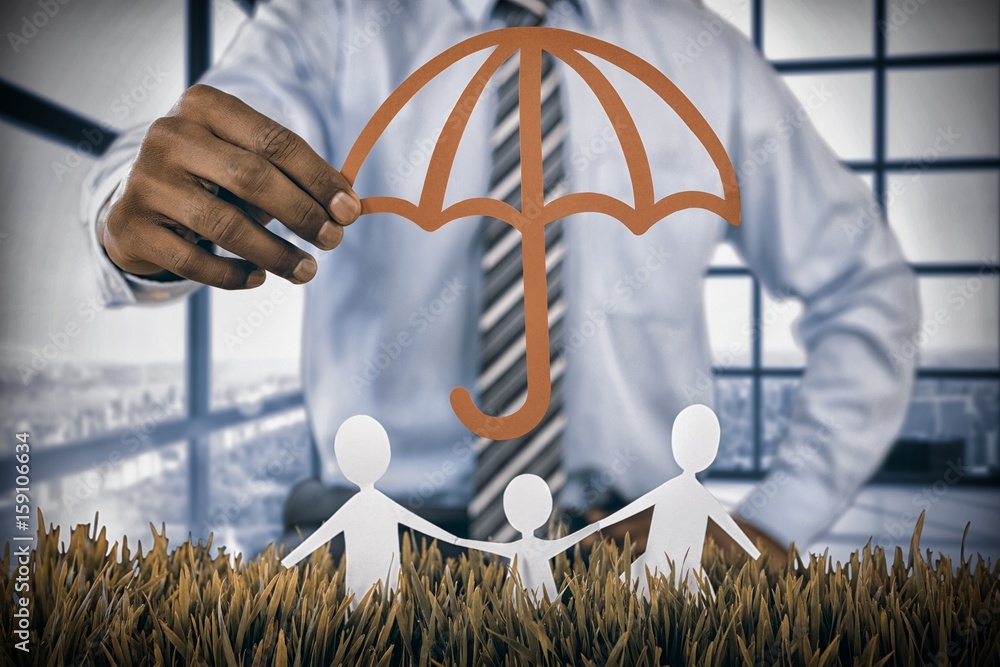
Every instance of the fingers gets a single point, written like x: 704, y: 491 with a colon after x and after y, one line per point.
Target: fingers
x: 258, y: 182
x: 231, y: 228
x: 236, y: 123
x: 164, y: 248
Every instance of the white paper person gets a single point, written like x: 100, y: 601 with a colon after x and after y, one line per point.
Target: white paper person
x: 370, y: 520
x: 527, y: 501
x: 682, y: 506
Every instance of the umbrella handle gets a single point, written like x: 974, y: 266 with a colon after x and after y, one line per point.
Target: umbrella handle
x: 536, y: 329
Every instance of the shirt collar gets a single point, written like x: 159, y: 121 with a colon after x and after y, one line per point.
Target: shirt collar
x: 481, y: 10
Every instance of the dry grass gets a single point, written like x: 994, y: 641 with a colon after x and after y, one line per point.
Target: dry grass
x: 192, y: 607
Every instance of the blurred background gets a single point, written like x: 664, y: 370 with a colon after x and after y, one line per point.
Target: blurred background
x: 191, y: 414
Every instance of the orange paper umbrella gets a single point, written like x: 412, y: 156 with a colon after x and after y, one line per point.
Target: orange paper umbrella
x: 430, y: 213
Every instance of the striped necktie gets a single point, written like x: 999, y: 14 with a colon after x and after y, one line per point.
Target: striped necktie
x: 502, y: 380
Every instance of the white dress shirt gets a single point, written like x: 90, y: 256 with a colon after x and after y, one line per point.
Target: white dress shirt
x: 390, y: 317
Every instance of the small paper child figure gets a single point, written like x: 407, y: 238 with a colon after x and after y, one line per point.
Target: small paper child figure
x: 682, y: 506
x: 370, y: 520
x: 527, y: 501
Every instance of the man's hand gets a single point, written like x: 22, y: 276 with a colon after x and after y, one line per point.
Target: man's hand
x: 170, y: 201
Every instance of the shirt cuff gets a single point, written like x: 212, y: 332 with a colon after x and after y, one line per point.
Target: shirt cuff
x: 118, y: 288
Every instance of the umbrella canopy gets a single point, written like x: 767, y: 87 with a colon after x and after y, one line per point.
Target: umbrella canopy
x: 430, y: 212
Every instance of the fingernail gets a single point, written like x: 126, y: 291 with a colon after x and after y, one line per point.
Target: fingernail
x: 345, y: 208
x: 256, y: 278
x: 305, y: 270
x: 329, y: 235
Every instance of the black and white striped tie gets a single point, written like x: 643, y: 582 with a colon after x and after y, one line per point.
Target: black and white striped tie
x: 502, y: 380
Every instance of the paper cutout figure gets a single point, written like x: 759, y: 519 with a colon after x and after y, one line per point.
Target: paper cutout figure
x: 430, y: 213
x: 370, y: 520
x: 683, y: 506
x: 527, y: 501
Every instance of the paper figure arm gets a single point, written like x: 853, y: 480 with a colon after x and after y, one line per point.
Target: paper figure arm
x: 731, y: 528
x: 563, y: 543
x: 505, y: 549
x: 636, y: 506
x: 326, y: 532
x: 418, y: 523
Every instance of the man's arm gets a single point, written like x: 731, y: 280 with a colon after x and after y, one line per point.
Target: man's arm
x: 812, y: 232
x: 253, y: 128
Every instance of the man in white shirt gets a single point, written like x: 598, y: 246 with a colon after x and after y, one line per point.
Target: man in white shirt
x: 295, y: 89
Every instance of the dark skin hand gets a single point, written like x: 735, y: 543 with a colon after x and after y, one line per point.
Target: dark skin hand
x: 637, y: 526
x: 158, y: 221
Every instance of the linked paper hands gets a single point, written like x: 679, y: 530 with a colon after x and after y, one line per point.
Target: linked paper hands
x: 370, y: 520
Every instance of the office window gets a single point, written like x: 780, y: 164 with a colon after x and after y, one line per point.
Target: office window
x: 135, y: 405
x: 913, y: 111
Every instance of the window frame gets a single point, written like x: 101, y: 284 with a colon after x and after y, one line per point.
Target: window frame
x: 879, y: 64
x: 201, y: 421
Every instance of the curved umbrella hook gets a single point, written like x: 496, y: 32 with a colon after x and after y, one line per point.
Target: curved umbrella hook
x: 536, y: 331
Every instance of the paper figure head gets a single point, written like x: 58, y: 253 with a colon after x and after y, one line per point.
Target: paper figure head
x: 362, y: 449
x: 527, y: 502
x: 695, y: 438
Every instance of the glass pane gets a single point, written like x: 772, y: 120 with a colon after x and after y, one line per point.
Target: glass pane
x: 964, y: 412
x: 727, y: 307
x: 725, y: 255
x: 253, y: 466
x: 943, y: 113
x: 777, y: 402
x: 946, y: 216
x: 818, y: 28
x: 940, y: 412
x: 115, y: 62
x: 912, y: 26
x: 148, y: 488
x: 781, y: 348
x: 840, y: 106
x: 734, y: 405
x: 72, y: 369
x: 227, y: 17
x: 736, y: 12
x: 256, y: 342
x: 960, y: 327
